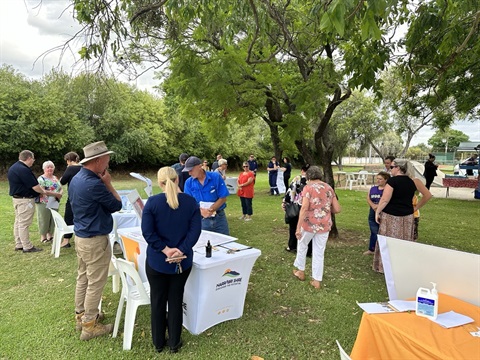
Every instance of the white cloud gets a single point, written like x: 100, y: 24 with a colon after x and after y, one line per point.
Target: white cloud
x: 31, y: 29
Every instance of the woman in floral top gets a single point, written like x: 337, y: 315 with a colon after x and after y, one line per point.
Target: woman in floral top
x: 49, y: 182
x: 318, y: 203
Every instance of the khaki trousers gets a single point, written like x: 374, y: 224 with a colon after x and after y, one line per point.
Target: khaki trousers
x: 24, y: 211
x: 93, y: 257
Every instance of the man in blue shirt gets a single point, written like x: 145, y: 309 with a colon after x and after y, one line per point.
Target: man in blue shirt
x: 252, y: 164
x: 208, y: 187
x: 24, y: 188
x: 93, y: 200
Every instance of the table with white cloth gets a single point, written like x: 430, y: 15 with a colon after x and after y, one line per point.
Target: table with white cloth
x: 126, y: 219
x: 216, y: 288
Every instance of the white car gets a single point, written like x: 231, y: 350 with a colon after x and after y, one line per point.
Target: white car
x: 463, y: 172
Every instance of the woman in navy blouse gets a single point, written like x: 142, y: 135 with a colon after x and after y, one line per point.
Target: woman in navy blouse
x: 171, y: 225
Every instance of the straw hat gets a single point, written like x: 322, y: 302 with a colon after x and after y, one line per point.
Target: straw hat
x: 95, y: 150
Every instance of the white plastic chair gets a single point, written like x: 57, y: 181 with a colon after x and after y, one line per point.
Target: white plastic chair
x: 350, y: 180
x: 135, y: 293
x: 61, y: 229
x: 114, y: 238
x: 362, y: 177
x: 343, y: 354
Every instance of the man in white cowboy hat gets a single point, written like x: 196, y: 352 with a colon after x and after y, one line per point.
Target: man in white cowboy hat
x: 93, y: 199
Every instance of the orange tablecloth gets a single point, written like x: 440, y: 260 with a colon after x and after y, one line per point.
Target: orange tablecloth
x: 408, y: 336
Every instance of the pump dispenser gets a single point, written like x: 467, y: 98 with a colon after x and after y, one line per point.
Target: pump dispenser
x: 427, y: 302
x: 208, y: 249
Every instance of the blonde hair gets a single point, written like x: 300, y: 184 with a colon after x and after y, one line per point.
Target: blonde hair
x: 167, y: 177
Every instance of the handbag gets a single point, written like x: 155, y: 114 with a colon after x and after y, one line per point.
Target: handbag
x: 291, y: 210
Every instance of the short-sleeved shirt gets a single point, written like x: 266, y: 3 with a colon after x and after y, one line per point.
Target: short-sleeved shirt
x: 213, y: 188
x: 318, y: 216
x: 400, y: 203
x: 21, y: 180
x: 272, y: 165
x: 375, y: 194
x: 92, y: 205
x: 246, y: 191
x: 50, y: 185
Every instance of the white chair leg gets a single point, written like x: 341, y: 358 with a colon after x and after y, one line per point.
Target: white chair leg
x: 130, y: 314
x: 58, y: 242
x: 115, y: 283
x: 118, y: 316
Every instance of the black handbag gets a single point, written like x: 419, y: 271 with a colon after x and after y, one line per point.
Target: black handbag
x: 291, y: 210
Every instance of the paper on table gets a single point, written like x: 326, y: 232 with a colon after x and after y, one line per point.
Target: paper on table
x: 452, y: 319
x: 403, y: 305
x: 376, y: 307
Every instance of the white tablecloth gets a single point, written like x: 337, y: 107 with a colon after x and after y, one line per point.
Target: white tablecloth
x: 126, y: 219
x: 216, y: 288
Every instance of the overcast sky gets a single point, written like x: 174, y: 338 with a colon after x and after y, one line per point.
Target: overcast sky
x: 29, y: 30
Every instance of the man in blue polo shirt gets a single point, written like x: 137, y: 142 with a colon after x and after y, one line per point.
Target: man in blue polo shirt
x: 93, y: 200
x: 208, y: 187
x: 24, y: 188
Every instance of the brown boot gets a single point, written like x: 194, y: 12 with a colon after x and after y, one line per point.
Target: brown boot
x: 94, y: 329
x: 78, y: 320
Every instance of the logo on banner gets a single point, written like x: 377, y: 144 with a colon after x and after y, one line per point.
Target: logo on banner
x: 235, y: 279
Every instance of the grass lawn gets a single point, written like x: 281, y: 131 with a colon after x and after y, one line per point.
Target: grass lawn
x: 283, y: 317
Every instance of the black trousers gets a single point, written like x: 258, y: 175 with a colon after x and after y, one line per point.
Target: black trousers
x: 166, y: 289
x: 68, y: 217
x: 428, y: 182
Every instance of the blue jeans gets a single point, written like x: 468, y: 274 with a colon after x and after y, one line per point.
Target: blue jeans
x: 217, y: 223
x: 246, y: 205
x: 374, y: 226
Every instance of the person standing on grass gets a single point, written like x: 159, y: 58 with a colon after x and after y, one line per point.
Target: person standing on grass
x: 252, y: 164
x: 209, y: 189
x: 24, y: 188
x: 171, y: 225
x: 388, y: 162
x: 373, y: 198
x: 73, y: 167
x: 272, y: 169
x: 93, y: 200
x: 430, y: 170
x: 287, y: 171
x: 395, y: 211
x: 46, y: 225
x: 245, y: 184
x: 319, y: 202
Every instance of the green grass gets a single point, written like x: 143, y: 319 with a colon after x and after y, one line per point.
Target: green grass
x: 283, y: 318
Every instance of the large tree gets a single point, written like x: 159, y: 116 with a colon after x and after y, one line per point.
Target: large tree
x: 291, y: 63
x: 442, y: 54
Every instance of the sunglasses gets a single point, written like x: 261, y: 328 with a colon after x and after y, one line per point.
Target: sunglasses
x: 245, y: 165
x: 393, y: 167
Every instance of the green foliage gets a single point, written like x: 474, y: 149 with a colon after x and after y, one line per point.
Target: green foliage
x: 443, y: 47
x: 447, y: 140
x: 277, y: 306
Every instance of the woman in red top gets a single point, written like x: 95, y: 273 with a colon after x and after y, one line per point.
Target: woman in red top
x: 245, y: 185
x: 319, y: 202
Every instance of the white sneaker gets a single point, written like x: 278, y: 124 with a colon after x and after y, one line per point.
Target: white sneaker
x: 241, y: 217
x: 248, y: 219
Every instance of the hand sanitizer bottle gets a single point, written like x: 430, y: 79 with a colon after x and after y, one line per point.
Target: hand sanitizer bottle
x: 427, y: 302
x: 208, y: 249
